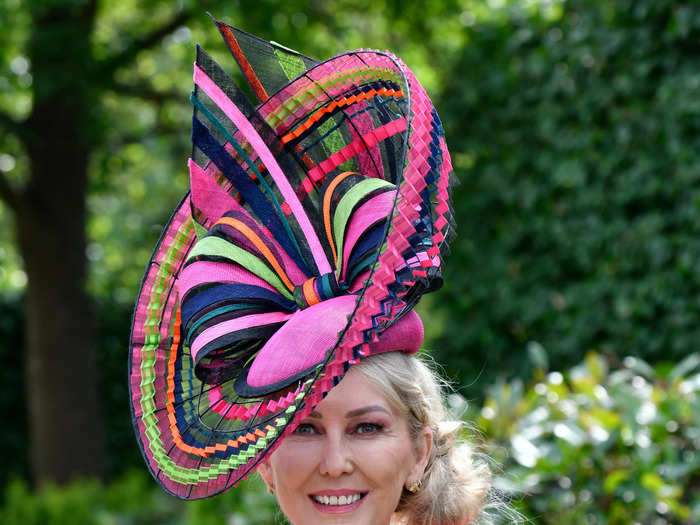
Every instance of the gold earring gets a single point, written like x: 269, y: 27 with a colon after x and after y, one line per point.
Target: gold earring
x: 414, y: 486
x: 271, y: 489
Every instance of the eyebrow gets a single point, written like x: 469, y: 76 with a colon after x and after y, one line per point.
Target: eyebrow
x: 356, y: 412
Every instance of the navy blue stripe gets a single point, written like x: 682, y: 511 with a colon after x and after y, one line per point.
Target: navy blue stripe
x: 364, y: 252
x: 239, y: 292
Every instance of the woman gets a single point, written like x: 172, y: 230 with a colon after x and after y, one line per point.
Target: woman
x: 274, y: 328
x: 378, y: 447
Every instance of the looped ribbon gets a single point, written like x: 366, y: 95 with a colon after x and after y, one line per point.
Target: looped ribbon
x: 317, y: 289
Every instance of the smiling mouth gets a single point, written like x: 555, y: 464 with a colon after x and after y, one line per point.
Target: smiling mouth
x: 337, y: 501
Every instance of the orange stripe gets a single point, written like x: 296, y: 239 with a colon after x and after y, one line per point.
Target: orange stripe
x: 310, y: 293
x: 342, y: 102
x: 327, y: 208
x: 245, y: 230
x: 170, y: 391
x: 307, y: 160
x: 253, y: 80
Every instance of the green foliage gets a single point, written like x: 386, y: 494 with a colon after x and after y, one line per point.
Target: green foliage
x: 576, y: 140
x: 601, y: 444
x: 133, y: 499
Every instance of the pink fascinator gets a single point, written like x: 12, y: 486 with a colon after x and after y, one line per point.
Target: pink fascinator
x: 317, y: 217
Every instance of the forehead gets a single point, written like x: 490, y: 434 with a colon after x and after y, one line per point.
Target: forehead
x: 353, y: 392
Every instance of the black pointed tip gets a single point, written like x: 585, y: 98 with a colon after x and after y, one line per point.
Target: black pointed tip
x: 217, y: 22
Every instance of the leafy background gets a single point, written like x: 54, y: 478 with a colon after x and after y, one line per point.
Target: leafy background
x: 571, y: 313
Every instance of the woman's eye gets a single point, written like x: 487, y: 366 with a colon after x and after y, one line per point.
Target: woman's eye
x: 305, y: 429
x: 368, y: 428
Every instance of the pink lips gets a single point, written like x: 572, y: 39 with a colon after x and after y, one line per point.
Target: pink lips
x: 337, y: 509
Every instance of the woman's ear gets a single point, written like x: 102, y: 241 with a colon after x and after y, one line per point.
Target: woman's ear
x: 423, y: 448
x: 265, y: 472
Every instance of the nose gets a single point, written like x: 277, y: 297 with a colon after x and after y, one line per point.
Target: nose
x: 337, y: 456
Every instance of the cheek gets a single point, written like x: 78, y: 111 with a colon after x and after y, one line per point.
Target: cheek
x: 293, y: 463
x: 388, y: 464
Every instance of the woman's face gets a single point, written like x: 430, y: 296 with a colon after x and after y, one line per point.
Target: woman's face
x: 348, y: 461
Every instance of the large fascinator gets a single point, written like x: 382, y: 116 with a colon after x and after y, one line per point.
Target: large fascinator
x: 315, y: 221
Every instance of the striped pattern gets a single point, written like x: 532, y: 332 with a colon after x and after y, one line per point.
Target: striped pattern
x: 337, y: 183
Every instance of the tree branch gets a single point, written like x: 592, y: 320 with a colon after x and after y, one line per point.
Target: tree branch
x: 146, y: 92
x: 111, y: 64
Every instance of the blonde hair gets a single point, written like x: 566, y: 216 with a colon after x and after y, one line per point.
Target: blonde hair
x: 455, y: 483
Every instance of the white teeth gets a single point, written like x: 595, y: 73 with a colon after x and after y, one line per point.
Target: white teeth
x: 337, y: 500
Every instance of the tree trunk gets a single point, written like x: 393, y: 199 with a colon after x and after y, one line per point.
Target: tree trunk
x: 61, y: 370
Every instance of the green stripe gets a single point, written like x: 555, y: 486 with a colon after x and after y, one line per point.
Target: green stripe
x: 334, y: 141
x: 199, y: 230
x: 292, y: 65
x: 219, y: 247
x: 345, y: 207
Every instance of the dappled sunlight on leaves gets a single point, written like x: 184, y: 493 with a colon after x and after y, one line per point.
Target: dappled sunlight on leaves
x: 601, y: 444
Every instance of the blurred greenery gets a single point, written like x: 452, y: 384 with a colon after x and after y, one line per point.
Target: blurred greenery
x: 576, y: 139
x: 133, y: 499
x: 574, y: 129
x: 602, y: 443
